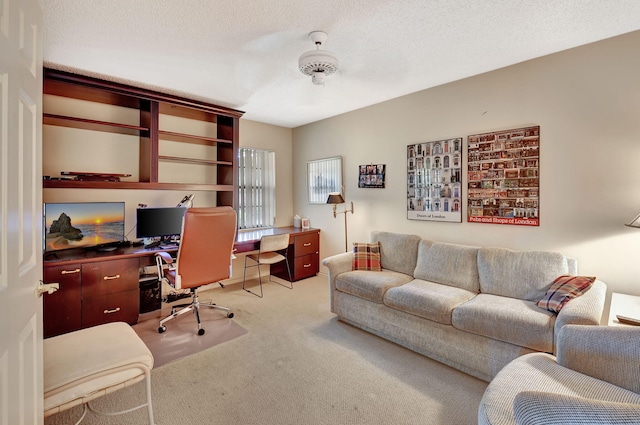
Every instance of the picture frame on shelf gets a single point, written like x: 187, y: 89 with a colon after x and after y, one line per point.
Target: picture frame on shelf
x: 305, y: 223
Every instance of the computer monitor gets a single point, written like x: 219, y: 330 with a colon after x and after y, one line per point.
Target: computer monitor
x: 159, y: 222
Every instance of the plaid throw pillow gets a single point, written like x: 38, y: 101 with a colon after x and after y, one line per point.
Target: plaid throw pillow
x: 563, y: 289
x: 366, y: 256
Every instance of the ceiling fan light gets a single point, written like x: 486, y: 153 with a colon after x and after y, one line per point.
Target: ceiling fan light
x: 318, y: 63
x: 318, y: 78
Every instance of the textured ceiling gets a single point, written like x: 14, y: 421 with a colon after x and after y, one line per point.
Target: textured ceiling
x: 243, y: 54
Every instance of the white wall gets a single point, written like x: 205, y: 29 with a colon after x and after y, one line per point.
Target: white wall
x: 587, y: 104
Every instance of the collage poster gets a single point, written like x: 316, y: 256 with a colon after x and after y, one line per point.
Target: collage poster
x: 434, y: 173
x: 503, y: 177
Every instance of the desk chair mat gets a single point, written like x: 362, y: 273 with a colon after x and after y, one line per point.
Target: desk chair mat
x: 180, y: 339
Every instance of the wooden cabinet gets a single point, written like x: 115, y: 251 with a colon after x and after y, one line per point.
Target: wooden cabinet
x: 303, y: 256
x: 162, y: 141
x: 62, y: 309
x: 91, y: 293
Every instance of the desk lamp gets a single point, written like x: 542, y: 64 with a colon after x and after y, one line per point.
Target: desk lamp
x: 336, y: 198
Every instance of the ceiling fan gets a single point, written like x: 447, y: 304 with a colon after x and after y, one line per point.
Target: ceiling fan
x: 318, y: 63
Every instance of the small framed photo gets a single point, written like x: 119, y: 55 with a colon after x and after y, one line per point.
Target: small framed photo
x: 305, y: 223
x: 371, y: 175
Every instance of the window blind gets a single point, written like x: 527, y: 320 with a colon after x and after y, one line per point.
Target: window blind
x: 257, y: 188
x: 323, y: 177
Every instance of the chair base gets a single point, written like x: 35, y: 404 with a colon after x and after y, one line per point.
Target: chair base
x: 193, y: 306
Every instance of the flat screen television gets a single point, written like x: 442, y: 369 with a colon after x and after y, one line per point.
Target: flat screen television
x: 159, y: 222
x: 83, y: 225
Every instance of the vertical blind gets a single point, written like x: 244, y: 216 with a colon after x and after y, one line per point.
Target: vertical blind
x: 257, y: 188
x: 323, y: 177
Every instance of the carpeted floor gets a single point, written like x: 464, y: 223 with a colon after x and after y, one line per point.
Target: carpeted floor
x: 297, y: 365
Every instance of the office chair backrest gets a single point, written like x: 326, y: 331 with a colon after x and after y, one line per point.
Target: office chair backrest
x: 274, y: 242
x: 206, y: 246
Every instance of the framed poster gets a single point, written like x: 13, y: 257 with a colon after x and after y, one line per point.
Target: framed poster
x: 504, y: 181
x: 371, y: 175
x: 434, y: 188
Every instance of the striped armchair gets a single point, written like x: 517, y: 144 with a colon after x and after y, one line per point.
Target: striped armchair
x: 595, y: 379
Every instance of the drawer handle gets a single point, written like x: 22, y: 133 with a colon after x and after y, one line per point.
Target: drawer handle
x: 117, y: 276
x: 306, y: 265
x: 115, y: 310
x: 307, y: 244
x: 70, y: 271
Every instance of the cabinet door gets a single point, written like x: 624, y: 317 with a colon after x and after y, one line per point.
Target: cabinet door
x: 109, y: 277
x: 118, y: 307
x: 306, y: 244
x: 305, y: 266
x: 62, y: 308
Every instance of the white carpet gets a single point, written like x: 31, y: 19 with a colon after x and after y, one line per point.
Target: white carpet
x: 297, y: 365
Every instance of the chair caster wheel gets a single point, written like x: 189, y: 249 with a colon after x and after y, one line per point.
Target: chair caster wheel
x: 200, y: 331
x: 230, y: 315
x: 162, y: 329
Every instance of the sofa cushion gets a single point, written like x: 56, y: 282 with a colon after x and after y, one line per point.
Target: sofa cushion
x: 519, y: 274
x: 511, y: 320
x: 564, y: 289
x: 430, y: 300
x: 398, y: 252
x: 366, y: 256
x: 449, y: 264
x: 370, y: 285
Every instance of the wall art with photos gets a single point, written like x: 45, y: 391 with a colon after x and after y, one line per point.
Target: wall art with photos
x: 434, y: 188
x: 504, y: 181
x: 371, y: 175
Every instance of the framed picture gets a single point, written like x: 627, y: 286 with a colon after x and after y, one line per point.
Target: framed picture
x: 371, y: 175
x: 504, y: 180
x: 324, y: 176
x: 434, y: 188
x: 305, y: 223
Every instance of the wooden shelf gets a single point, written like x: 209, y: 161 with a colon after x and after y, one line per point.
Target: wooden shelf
x: 87, y: 124
x: 76, y: 184
x: 151, y: 106
x: 189, y: 138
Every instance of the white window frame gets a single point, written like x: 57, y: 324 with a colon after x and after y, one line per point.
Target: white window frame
x: 324, y: 176
x: 256, y: 188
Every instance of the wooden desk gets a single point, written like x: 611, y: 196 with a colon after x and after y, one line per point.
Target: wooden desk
x: 99, y: 287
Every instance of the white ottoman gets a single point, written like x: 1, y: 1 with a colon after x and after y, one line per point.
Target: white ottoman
x: 83, y: 365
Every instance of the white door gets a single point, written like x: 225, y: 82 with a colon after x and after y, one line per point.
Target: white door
x: 20, y: 212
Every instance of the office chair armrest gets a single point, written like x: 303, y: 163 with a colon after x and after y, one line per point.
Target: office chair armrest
x: 166, y: 257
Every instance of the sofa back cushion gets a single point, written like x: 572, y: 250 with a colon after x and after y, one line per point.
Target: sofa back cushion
x: 524, y: 275
x: 448, y: 264
x: 398, y: 252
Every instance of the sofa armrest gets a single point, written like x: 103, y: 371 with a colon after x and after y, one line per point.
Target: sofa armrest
x: 337, y: 264
x: 583, y: 310
x: 539, y: 408
x: 608, y: 353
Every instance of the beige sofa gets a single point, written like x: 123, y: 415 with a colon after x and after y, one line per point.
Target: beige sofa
x: 471, y: 308
x: 595, y: 379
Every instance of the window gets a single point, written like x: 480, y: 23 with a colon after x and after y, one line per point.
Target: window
x: 323, y: 177
x: 256, y: 188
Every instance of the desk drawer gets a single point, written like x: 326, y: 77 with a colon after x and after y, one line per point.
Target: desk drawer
x: 120, y: 307
x: 306, y: 244
x: 109, y: 277
x: 305, y: 266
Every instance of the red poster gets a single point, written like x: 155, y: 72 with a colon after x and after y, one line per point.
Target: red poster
x: 504, y: 180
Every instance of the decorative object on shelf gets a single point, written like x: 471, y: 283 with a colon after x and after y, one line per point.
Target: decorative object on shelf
x: 94, y: 177
x: 318, y: 63
x: 635, y: 222
x: 434, y: 181
x: 296, y: 221
x: 187, y: 201
x: 504, y: 181
x: 324, y: 176
x: 371, y: 175
x: 334, y: 199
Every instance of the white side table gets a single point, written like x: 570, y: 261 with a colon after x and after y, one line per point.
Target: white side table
x: 624, y: 305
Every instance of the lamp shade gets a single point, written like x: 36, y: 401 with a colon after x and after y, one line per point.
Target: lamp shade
x: 335, y: 198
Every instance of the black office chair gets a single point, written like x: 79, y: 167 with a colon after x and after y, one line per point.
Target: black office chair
x: 204, y: 257
x: 273, y: 249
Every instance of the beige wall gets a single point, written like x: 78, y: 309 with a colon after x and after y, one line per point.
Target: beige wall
x: 587, y: 104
